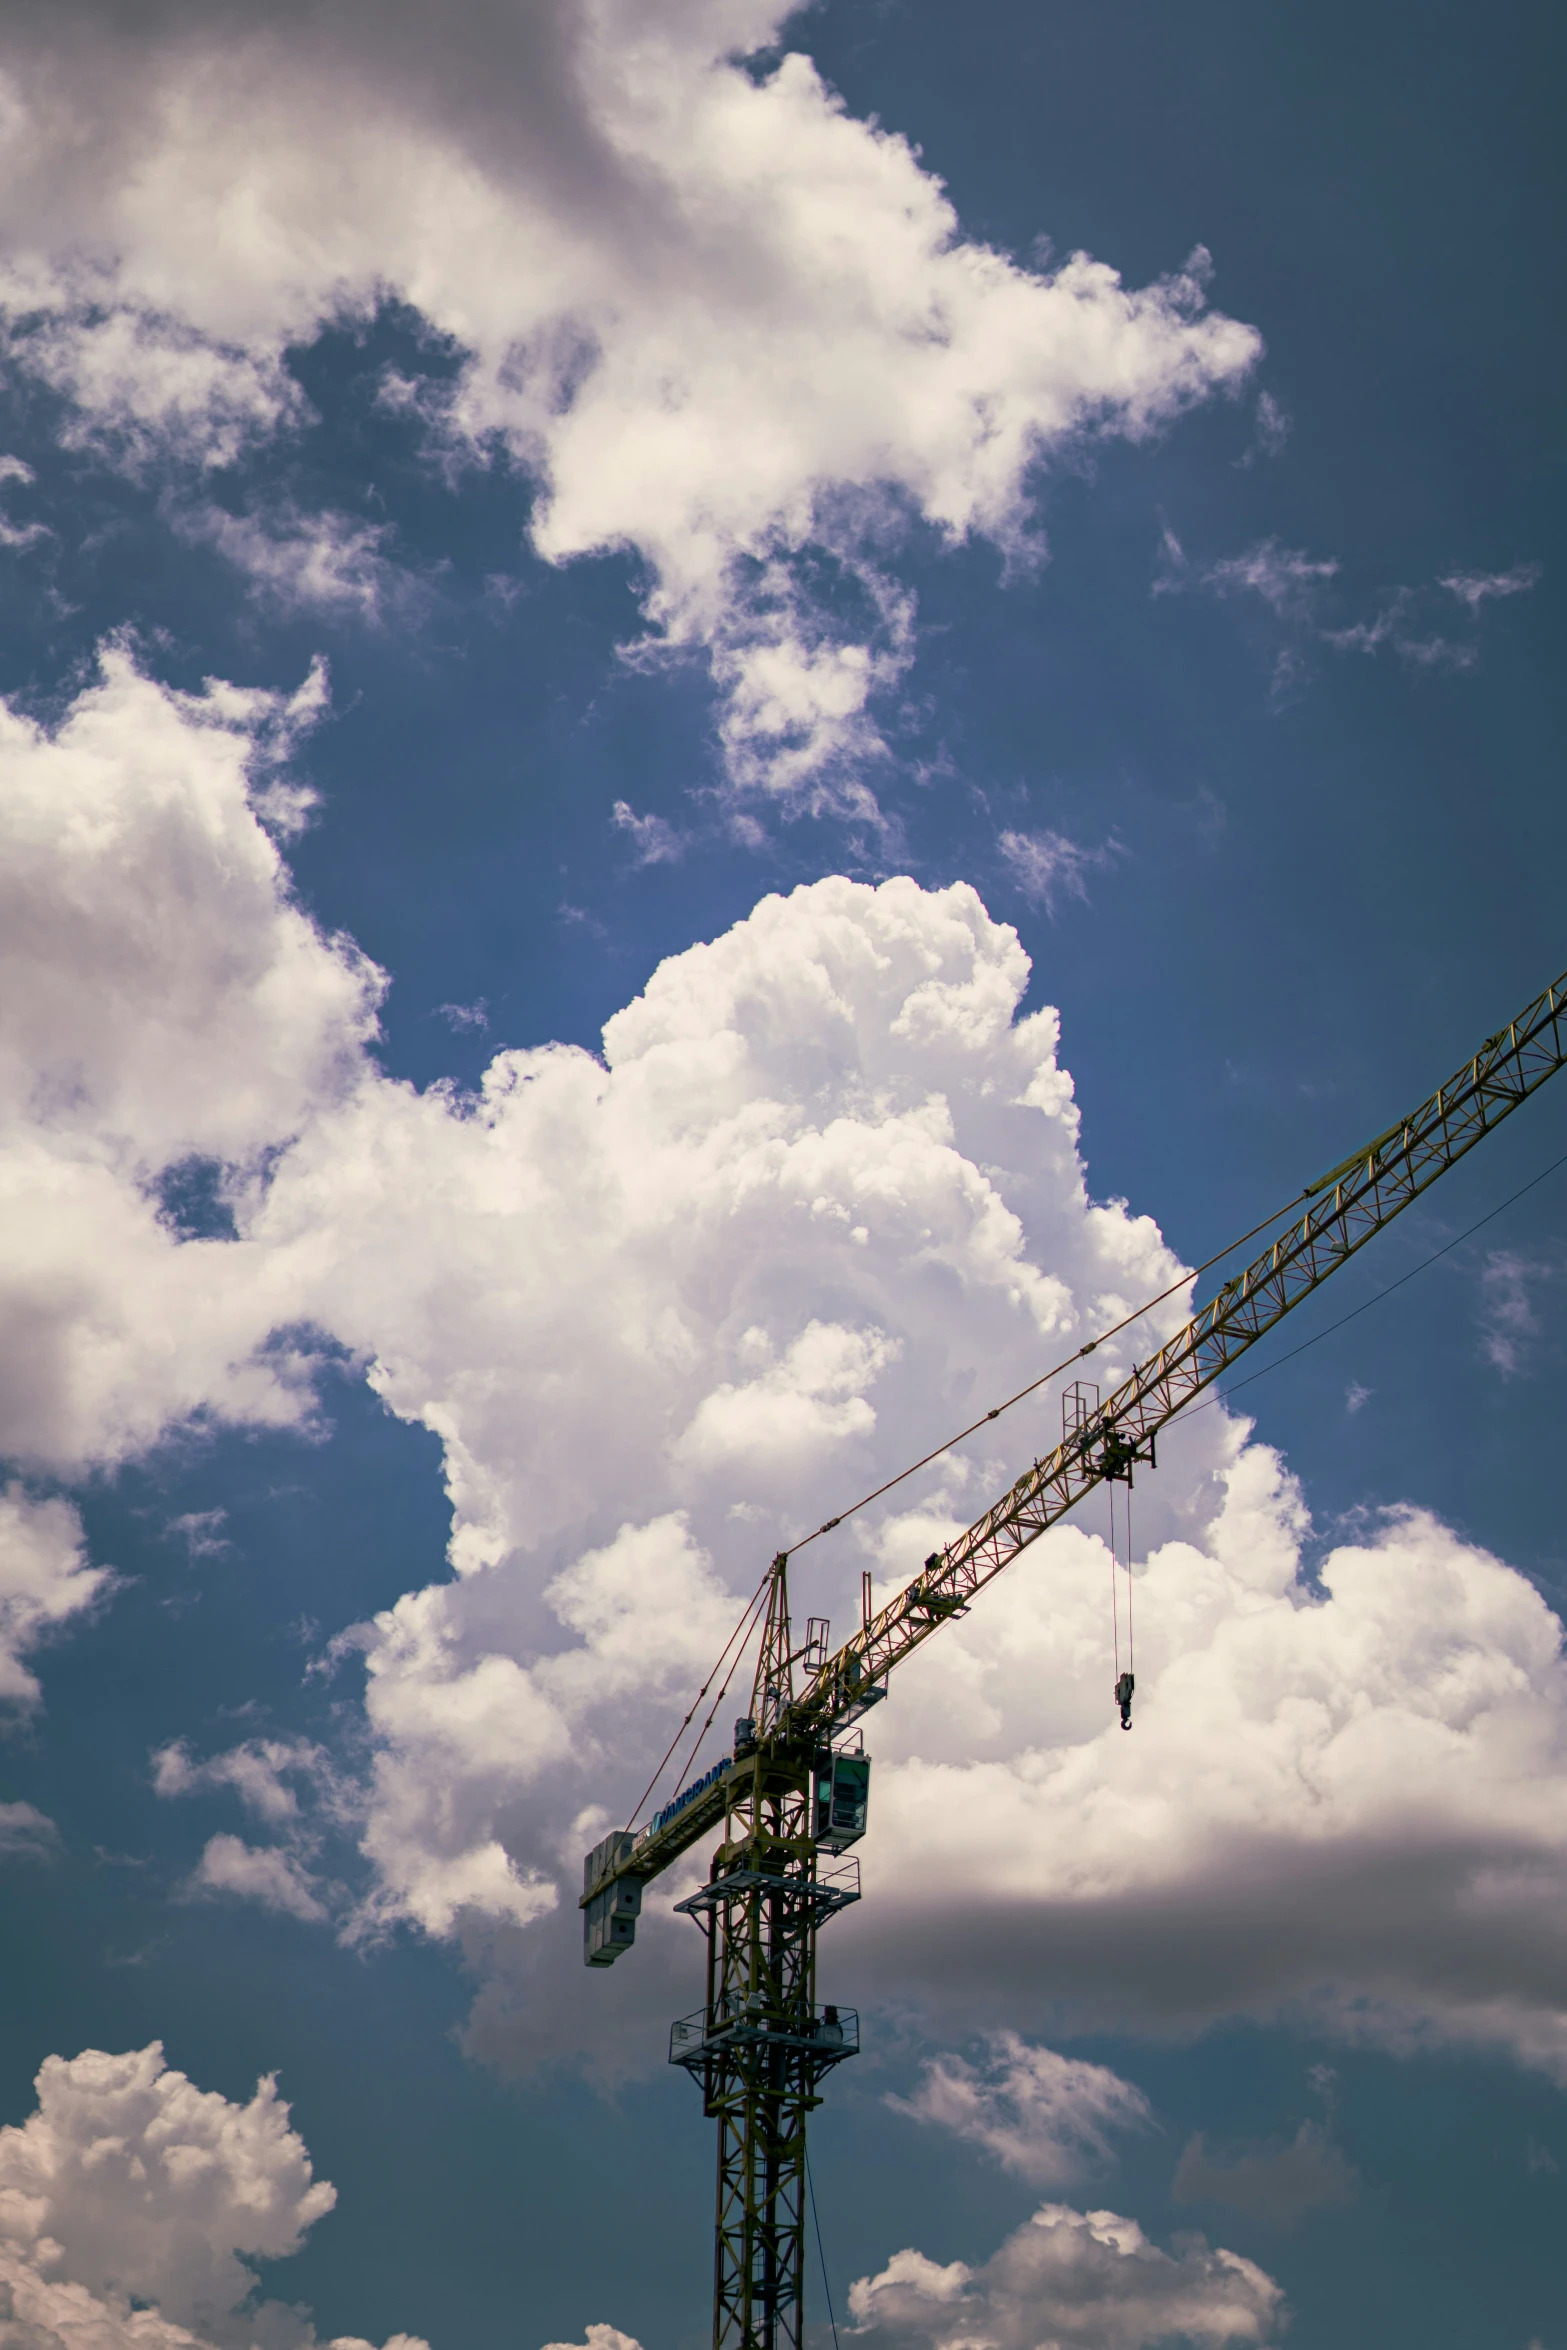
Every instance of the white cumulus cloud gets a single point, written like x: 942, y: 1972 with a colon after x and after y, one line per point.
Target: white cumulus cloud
x: 45, y: 1579
x: 264, y: 1773
x: 827, y: 1132
x: 1335, y: 1798
x: 727, y: 327
x: 599, y: 2337
x: 163, y: 1002
x: 263, y: 1873
x: 819, y: 1201
x: 132, y: 2205
x: 149, y: 2186
x: 258, y: 1771
x: 1074, y: 2280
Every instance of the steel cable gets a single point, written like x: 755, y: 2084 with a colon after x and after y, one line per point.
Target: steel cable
x: 736, y: 1634
x: 1044, y: 1378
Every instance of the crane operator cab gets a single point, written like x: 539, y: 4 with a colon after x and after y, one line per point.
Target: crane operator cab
x: 843, y: 1793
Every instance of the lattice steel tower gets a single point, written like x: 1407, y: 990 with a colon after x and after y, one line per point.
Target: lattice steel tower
x: 762, y: 2043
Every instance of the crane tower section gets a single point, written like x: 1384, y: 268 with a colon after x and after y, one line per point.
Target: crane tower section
x: 761, y: 2043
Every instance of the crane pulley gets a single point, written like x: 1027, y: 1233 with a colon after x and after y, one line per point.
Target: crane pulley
x: 796, y: 1784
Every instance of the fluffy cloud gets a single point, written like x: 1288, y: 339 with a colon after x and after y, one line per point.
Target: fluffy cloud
x: 132, y: 2204
x: 819, y: 1201
x: 51, y: 2313
x: 193, y: 1010
x: 144, y: 2185
x: 262, y: 1873
x: 1067, y: 2280
x: 772, y: 1232
x: 822, y: 1196
x: 598, y: 2338
x: 25, y: 1832
x: 45, y: 1579
x: 164, y: 1006
x: 1073, y: 2280
x: 258, y: 1772
x: 1045, y: 2116
x: 725, y: 325
x: 1336, y: 1796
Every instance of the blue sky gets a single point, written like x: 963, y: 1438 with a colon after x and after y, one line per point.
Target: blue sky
x: 653, y: 560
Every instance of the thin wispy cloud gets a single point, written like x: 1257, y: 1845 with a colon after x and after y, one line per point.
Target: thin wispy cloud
x: 1271, y: 428
x: 1046, y: 2117
x: 17, y: 535
x: 1049, y: 867
x: 1475, y: 588
x: 654, y: 841
x: 201, y: 1532
x: 1512, y: 1284
x: 305, y: 562
x: 1304, y: 597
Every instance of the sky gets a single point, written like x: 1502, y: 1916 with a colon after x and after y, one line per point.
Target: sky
x: 714, y: 726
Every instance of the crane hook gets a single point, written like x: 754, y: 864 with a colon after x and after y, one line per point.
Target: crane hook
x: 1123, y: 1698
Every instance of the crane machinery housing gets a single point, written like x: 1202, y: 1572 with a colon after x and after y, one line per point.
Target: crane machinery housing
x: 790, y: 1799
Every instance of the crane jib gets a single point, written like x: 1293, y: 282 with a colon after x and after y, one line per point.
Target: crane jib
x: 1367, y: 1191
x: 673, y: 1831
x: 1343, y: 1210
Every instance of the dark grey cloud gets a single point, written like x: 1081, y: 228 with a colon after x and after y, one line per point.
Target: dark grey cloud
x: 503, y: 81
x: 1472, y: 1930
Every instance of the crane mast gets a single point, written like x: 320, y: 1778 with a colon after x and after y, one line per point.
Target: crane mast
x: 791, y: 1797
x: 760, y: 2044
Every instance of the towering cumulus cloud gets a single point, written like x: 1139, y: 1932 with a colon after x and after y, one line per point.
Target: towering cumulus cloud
x: 819, y: 1201
x: 722, y: 323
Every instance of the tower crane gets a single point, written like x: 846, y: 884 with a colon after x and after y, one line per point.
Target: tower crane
x: 790, y: 1799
